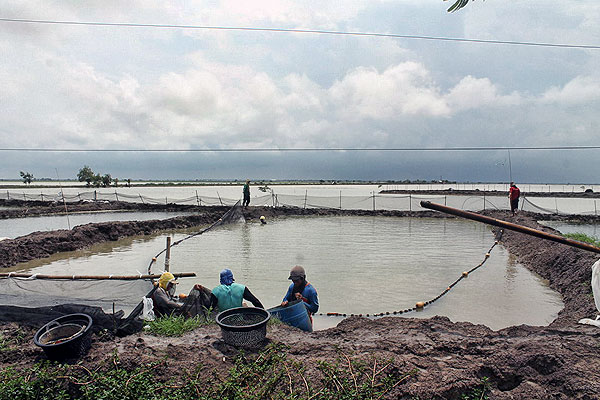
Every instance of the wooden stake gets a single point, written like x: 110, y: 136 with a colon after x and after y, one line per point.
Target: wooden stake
x: 168, y: 255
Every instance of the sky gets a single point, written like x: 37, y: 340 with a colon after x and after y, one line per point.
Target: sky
x: 98, y: 87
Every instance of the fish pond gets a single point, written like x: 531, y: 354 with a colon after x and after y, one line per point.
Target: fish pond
x: 358, y: 264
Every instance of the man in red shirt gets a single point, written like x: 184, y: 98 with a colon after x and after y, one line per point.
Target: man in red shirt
x: 513, y: 195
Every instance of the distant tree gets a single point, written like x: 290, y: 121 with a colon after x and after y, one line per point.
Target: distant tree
x: 86, y: 175
x: 27, y: 177
x: 106, y: 179
x: 96, y: 180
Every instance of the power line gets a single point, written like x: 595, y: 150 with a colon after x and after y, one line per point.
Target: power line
x: 302, y: 149
x: 309, y: 31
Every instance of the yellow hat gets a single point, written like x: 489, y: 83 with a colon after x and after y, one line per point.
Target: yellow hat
x: 165, y: 278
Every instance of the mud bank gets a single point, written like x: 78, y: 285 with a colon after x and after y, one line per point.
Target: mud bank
x: 560, y: 361
x: 476, y: 192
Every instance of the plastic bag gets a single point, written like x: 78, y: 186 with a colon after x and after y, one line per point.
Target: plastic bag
x: 148, y: 312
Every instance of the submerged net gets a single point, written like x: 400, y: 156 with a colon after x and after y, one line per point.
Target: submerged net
x: 28, y: 295
x: 32, y: 292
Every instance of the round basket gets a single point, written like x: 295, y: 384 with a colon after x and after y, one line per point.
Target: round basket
x: 65, y: 337
x: 243, y: 326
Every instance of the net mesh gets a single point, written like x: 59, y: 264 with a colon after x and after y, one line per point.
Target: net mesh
x: 106, y: 295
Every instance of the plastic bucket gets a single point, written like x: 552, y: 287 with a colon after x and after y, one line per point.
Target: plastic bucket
x: 293, y: 314
x: 65, y: 337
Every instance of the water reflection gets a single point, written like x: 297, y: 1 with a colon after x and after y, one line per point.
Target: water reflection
x: 358, y: 265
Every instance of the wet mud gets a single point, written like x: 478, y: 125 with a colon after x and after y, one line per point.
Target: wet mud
x: 560, y: 361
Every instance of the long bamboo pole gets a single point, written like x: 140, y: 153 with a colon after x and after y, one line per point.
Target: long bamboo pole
x: 92, y: 277
x: 510, y: 226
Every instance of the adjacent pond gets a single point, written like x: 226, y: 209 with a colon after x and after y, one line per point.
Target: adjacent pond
x: 572, y: 227
x: 15, y: 227
x: 358, y: 265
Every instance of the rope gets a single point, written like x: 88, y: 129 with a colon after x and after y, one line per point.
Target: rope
x: 420, y: 305
x: 216, y: 223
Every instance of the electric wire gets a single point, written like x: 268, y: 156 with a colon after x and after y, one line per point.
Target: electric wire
x: 291, y: 149
x: 308, y: 31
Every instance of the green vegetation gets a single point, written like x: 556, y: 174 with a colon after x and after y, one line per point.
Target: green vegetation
x: 480, y: 392
x: 268, y: 374
x: 27, y: 177
x: 458, y: 5
x: 582, y: 237
x: 13, y: 339
x: 173, y: 325
x: 86, y: 175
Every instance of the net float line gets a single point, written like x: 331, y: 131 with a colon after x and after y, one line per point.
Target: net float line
x: 422, y: 304
x: 510, y: 226
x: 224, y: 218
x: 92, y: 277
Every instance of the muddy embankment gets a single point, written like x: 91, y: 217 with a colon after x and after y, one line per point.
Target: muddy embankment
x: 477, y: 192
x: 560, y: 361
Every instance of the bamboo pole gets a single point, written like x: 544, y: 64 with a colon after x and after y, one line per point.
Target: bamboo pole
x: 168, y: 255
x: 93, y: 277
x: 510, y: 226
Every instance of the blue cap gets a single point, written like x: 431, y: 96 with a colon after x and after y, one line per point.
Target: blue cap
x: 226, y: 277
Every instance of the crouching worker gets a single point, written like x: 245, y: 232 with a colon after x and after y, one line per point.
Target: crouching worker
x: 230, y: 294
x: 165, y: 302
x: 301, y: 289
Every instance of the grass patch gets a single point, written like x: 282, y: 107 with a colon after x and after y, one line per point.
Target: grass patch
x: 268, y: 374
x: 13, y: 338
x: 174, y: 325
x: 582, y: 237
x: 481, y: 392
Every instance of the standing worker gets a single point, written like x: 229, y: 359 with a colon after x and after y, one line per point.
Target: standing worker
x: 246, y: 191
x: 230, y: 295
x: 513, y: 194
x: 301, y: 289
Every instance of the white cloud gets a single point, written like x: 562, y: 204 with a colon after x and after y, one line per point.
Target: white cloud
x: 402, y: 89
x: 474, y: 93
x: 102, y: 87
x: 582, y: 89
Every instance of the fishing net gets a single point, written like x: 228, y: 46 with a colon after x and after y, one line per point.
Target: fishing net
x: 107, y: 296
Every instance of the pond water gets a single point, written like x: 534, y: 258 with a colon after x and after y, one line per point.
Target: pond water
x: 572, y: 227
x: 357, y: 264
x: 15, y: 227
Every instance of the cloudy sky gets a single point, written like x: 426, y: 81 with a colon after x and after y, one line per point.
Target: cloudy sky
x: 97, y: 87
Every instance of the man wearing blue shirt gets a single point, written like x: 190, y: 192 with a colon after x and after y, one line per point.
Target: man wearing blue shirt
x: 301, y: 289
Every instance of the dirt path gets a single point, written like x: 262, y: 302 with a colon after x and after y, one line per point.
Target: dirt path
x: 560, y: 361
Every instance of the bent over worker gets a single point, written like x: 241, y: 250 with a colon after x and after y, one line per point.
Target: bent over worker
x: 301, y: 289
x: 230, y: 294
x: 163, y: 297
x: 164, y: 300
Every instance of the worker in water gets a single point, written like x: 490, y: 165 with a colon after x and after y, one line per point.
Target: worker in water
x: 246, y: 192
x: 263, y: 220
x: 301, y: 289
x: 230, y: 294
x: 513, y: 195
x: 164, y: 296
